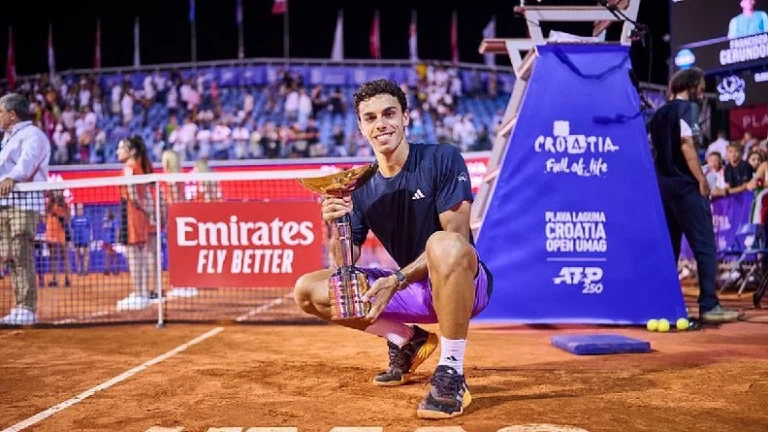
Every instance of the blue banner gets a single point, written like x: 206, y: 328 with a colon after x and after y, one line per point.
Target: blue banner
x: 575, y: 230
x: 729, y: 214
x: 342, y: 76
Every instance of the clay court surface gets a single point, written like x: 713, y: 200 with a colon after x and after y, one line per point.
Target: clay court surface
x: 317, y: 377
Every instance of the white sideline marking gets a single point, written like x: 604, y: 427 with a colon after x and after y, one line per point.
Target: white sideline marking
x: 441, y: 429
x: 357, y: 429
x: 273, y: 429
x: 15, y: 332
x: 263, y: 308
x: 225, y: 429
x: 165, y: 429
x: 82, y: 318
x: 541, y: 428
x: 105, y: 385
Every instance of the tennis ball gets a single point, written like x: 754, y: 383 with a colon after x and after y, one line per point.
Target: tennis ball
x: 652, y: 325
x: 682, y: 324
x: 663, y: 325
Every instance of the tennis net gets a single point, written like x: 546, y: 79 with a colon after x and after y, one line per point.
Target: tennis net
x: 222, y: 246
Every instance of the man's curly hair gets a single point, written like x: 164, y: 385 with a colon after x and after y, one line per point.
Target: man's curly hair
x: 375, y: 88
x: 686, y: 79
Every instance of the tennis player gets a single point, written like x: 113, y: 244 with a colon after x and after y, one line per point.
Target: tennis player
x: 417, y: 205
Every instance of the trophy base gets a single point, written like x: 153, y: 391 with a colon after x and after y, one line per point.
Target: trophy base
x: 346, y: 286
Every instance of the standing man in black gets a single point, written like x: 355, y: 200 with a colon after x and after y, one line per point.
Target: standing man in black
x: 684, y: 189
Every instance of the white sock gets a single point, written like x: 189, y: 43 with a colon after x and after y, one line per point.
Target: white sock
x: 395, y: 332
x: 452, y: 353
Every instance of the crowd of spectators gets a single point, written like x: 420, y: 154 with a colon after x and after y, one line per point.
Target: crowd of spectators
x: 201, y: 120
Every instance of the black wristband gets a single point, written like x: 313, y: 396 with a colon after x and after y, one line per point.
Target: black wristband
x: 401, y: 282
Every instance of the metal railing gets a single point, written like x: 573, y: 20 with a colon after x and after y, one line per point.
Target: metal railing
x: 292, y: 62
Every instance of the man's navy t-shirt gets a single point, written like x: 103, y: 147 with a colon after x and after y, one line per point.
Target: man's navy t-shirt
x: 403, y: 210
x: 666, y: 129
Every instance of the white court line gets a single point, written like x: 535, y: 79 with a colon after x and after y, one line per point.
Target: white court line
x: 82, y: 318
x: 263, y: 308
x: 15, y: 332
x: 105, y: 385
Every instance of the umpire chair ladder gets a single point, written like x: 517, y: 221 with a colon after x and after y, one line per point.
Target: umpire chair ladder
x: 601, y: 16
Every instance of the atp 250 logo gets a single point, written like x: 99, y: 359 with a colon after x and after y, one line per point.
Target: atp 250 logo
x: 590, y: 278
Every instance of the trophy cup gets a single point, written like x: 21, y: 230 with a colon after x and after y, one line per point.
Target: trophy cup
x: 348, y: 283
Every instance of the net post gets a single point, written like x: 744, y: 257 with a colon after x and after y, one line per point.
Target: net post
x: 159, y: 260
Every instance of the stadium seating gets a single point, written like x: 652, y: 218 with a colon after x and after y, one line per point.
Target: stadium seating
x: 483, y: 110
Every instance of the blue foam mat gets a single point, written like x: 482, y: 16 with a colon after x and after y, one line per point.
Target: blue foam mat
x: 600, y: 344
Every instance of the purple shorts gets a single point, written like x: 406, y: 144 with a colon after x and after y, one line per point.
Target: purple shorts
x: 413, y: 304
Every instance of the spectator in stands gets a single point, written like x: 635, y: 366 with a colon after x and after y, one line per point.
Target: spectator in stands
x: 715, y: 174
x: 61, y: 139
x: 126, y: 105
x: 720, y: 145
x: 340, y: 148
x: 304, y: 106
x: 116, y: 96
x: 271, y: 141
x: 207, y: 190
x: 755, y: 158
x: 416, y: 130
x: 298, y: 142
x: 186, y: 141
x: 222, y: 143
x: 338, y: 107
x: 684, y: 188
x: 738, y: 173
x: 291, y: 106
x: 202, y: 147
x: 108, y: 240
x: 241, y: 137
x: 318, y: 100
x: 80, y: 226
x: 58, y: 236
x: 24, y: 157
x: 483, y: 141
x: 136, y: 211
x: 312, y: 135
x: 748, y: 141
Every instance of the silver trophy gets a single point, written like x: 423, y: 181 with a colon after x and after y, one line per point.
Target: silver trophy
x: 347, y: 284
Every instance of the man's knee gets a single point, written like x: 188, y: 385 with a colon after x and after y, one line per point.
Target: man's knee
x: 304, y: 291
x: 449, y: 252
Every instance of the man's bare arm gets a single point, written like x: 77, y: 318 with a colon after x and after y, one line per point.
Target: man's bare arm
x: 692, y: 158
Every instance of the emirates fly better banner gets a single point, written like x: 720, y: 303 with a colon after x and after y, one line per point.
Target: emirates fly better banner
x: 243, y: 244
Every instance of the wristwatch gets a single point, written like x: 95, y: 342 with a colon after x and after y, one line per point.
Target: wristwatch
x: 401, y: 282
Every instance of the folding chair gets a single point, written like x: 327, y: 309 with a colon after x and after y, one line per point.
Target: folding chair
x: 749, y: 245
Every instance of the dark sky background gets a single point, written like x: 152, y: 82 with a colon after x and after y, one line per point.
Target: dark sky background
x: 165, y: 30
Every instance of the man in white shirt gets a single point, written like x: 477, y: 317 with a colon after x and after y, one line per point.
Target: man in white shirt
x: 291, y: 105
x: 720, y: 145
x: 24, y: 157
x: 61, y: 138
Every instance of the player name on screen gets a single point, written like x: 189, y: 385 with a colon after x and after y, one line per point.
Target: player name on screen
x: 726, y: 54
x: 745, y: 49
x: 246, y: 245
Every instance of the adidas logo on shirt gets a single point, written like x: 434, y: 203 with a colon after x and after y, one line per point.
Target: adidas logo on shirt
x: 418, y: 195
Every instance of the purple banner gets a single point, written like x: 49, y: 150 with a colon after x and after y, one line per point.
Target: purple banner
x: 329, y: 75
x: 729, y: 214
